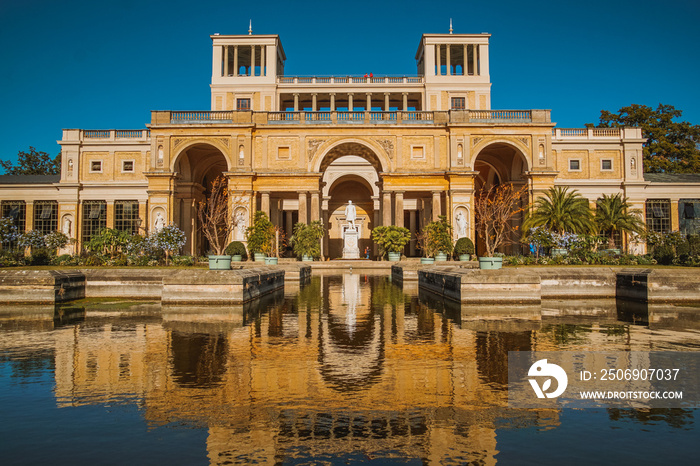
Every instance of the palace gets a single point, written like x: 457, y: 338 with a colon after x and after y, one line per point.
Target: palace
x: 403, y: 149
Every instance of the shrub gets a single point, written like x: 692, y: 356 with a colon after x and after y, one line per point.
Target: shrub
x: 260, y: 234
x: 306, y: 239
x: 236, y: 248
x: 31, y: 239
x: 391, y: 238
x: 463, y: 246
x: 183, y: 260
x: 436, y: 237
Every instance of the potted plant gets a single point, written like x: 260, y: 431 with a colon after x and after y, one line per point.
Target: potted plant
x: 464, y: 248
x: 391, y: 240
x: 306, y: 240
x: 436, y: 239
x: 495, y: 209
x: 216, y: 223
x: 237, y: 251
x: 259, y: 236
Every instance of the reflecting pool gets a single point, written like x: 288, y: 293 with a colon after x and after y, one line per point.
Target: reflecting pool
x: 348, y: 369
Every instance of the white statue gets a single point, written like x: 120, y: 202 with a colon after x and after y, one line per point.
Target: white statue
x: 461, y: 223
x: 67, y: 224
x: 159, y: 222
x: 351, y: 214
x: 240, y: 226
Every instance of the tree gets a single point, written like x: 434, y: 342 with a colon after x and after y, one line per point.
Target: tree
x: 215, y: 219
x: 613, y: 214
x: 561, y: 211
x: 671, y: 146
x: 33, y: 163
x: 495, y: 208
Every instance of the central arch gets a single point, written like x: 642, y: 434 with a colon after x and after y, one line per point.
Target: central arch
x: 197, y: 165
x: 350, y: 172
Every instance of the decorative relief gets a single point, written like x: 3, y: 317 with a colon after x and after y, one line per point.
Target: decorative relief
x: 476, y: 141
x: 387, y: 145
x: 178, y: 142
x: 225, y: 141
x: 525, y: 141
x: 313, y: 147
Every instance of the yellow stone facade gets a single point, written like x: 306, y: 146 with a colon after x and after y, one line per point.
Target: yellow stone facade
x: 404, y: 149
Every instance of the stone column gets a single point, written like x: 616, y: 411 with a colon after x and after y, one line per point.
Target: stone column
x: 386, y: 101
x: 465, y: 62
x: 226, y: 47
x: 412, y: 228
x: 474, y: 58
x: 313, y: 102
x: 265, y: 203
x: 448, y: 62
x: 252, y: 60
x: 398, y: 209
x: 437, y: 209
x: 262, y: 60
x: 235, y: 60
x: 324, y: 241
x: 332, y: 102
x: 386, y: 208
x: 296, y: 102
x: 349, y: 101
x: 437, y: 57
x: 302, y: 207
x: 405, y: 101
x: 368, y: 108
x: 315, y: 206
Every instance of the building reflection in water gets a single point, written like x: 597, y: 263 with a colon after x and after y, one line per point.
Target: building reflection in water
x: 351, y: 363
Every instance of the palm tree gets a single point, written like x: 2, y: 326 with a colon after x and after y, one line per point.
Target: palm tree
x: 614, y: 214
x: 561, y: 211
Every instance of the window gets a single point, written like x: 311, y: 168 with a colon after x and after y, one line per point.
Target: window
x: 127, y: 166
x: 96, y: 166
x: 574, y: 165
x: 417, y: 152
x: 689, y: 216
x: 243, y: 104
x: 94, y: 218
x: 606, y: 165
x: 658, y: 214
x: 458, y: 103
x: 17, y: 211
x: 46, y: 216
x: 126, y: 216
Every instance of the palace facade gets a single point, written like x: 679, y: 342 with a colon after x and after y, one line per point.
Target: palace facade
x: 403, y: 149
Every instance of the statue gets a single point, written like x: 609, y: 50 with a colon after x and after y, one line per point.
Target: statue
x: 159, y: 222
x: 461, y: 223
x: 67, y: 224
x: 351, y: 214
x: 240, y: 226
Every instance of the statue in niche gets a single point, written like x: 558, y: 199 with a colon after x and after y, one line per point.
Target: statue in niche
x: 351, y: 214
x: 159, y: 222
x: 70, y: 166
x: 159, y: 162
x: 67, y: 226
x: 461, y: 224
x: 240, y: 226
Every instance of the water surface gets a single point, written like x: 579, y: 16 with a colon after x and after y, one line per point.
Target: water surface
x: 349, y: 369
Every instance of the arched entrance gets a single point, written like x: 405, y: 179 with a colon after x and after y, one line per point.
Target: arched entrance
x: 196, y: 166
x: 500, y: 163
x: 351, y: 172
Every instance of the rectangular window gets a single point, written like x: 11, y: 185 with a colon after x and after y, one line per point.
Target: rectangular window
x: 17, y: 211
x: 95, y: 166
x: 126, y: 216
x: 243, y: 104
x: 458, y: 103
x: 127, y: 166
x: 417, y: 152
x: 94, y: 218
x: 606, y: 165
x: 574, y: 165
x: 658, y: 215
x: 46, y: 216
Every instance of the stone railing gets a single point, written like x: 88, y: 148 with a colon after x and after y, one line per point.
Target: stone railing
x: 586, y: 133
x: 360, y: 117
x: 115, y: 134
x: 350, y: 80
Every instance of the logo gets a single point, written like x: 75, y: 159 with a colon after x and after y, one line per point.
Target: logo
x: 542, y: 369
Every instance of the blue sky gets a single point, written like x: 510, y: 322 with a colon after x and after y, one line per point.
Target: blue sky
x: 107, y: 64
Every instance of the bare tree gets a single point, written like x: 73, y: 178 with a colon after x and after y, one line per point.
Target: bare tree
x: 215, y: 218
x: 495, y: 210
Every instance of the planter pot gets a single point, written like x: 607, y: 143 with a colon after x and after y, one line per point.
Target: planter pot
x: 440, y: 257
x: 236, y: 258
x: 559, y: 252
x: 394, y: 256
x: 306, y: 258
x: 219, y: 262
x: 259, y: 256
x: 490, y: 263
x: 426, y: 260
x: 270, y: 261
x: 464, y: 257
